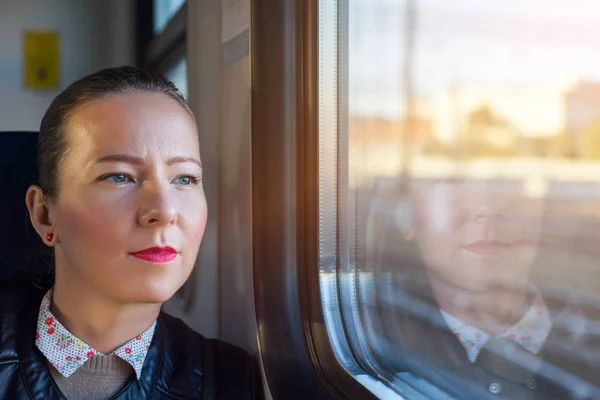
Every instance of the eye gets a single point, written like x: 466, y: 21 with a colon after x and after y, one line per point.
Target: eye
x: 118, y: 179
x: 187, y: 180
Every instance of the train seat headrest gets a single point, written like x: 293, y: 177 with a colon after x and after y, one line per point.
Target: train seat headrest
x: 23, y: 251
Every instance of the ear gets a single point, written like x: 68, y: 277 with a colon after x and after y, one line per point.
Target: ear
x: 39, y: 213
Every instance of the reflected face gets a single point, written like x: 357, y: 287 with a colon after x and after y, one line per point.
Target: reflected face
x: 476, y: 234
x: 130, y: 181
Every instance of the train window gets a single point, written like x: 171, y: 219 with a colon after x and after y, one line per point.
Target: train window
x: 162, y: 38
x: 163, y: 11
x: 178, y: 75
x: 459, y: 194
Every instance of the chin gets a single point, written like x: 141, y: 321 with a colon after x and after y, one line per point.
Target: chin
x: 153, y: 292
x: 473, y: 285
x: 479, y: 279
x: 155, y: 297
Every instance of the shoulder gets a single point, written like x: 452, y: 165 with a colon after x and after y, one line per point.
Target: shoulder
x: 237, y: 375
x: 19, y: 306
x: 18, y: 296
x: 194, y: 363
x: 572, y: 343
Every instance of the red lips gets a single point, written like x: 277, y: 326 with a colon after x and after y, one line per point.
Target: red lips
x: 158, y: 255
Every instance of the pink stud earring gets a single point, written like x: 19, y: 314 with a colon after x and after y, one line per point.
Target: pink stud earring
x: 50, y: 237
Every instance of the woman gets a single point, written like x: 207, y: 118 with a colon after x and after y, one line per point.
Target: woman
x: 459, y: 306
x: 120, y: 202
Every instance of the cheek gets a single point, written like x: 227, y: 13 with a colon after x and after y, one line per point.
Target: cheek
x: 92, y: 225
x: 436, y: 250
x: 436, y: 232
x: 200, y: 226
x: 195, y: 217
x: 436, y: 212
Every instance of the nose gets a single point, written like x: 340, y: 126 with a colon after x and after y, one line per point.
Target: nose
x: 157, y: 208
x: 486, y: 205
x: 483, y: 213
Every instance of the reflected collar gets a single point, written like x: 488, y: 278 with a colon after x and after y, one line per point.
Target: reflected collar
x: 529, y: 332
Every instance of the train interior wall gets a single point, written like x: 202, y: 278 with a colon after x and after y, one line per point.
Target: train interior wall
x: 94, y: 34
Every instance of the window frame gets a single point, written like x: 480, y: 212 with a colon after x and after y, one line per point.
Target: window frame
x: 296, y: 352
x: 163, y: 50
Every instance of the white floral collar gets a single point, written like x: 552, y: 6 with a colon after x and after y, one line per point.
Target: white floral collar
x: 67, y: 353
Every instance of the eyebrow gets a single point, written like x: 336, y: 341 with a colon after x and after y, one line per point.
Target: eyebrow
x: 139, y: 161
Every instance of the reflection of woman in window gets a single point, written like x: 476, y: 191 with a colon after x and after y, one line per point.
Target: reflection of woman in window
x: 120, y: 201
x: 471, y: 313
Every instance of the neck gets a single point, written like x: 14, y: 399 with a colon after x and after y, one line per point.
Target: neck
x: 491, y: 310
x: 103, y: 323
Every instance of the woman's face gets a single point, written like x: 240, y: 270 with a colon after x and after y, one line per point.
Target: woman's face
x: 129, y: 181
x: 476, y: 234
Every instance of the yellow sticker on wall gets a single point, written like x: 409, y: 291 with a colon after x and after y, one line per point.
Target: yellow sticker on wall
x: 41, y: 57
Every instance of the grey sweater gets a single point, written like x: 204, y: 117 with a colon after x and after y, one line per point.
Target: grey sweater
x: 100, y: 378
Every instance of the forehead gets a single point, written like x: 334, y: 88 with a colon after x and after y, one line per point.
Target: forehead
x: 143, y: 124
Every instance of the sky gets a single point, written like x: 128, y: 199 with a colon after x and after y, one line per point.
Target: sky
x: 468, y: 42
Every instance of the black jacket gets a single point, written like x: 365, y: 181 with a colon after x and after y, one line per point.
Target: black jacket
x: 181, y: 364
x: 410, y: 336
